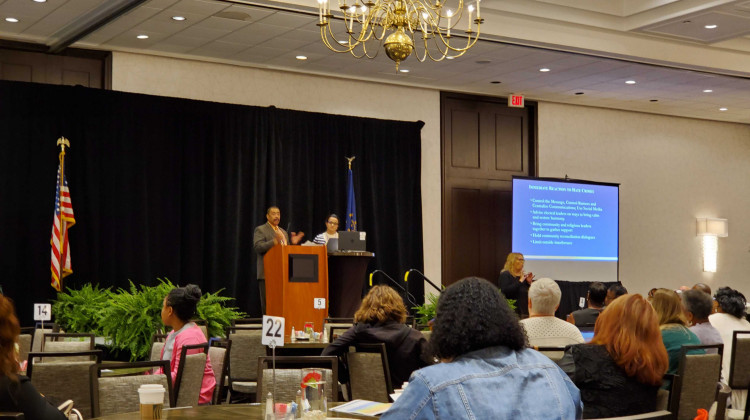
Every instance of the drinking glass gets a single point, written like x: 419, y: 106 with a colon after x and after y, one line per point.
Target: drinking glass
x: 313, y: 389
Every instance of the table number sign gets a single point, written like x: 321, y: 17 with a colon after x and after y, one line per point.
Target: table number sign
x: 273, y: 331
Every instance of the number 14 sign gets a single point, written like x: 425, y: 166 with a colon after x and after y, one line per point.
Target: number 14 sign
x: 273, y: 331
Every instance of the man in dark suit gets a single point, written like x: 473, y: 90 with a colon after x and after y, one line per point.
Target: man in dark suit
x: 265, y: 237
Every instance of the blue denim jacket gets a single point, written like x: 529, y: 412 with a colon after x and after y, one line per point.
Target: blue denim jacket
x: 492, y: 383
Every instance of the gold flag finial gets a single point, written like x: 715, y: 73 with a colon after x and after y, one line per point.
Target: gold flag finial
x: 63, y: 142
x: 350, y: 159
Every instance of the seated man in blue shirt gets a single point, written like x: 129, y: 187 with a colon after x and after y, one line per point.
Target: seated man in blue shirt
x: 487, y: 372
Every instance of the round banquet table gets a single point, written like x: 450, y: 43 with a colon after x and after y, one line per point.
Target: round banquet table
x: 220, y: 412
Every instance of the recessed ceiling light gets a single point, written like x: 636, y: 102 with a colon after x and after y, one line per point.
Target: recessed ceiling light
x: 301, y: 57
x: 495, y: 82
x: 544, y: 69
x: 722, y: 109
x: 449, y: 57
x: 40, y: 1
x: 707, y: 90
x: 404, y: 70
x: 343, y: 42
x: 178, y: 18
x: 630, y: 82
x: 11, y: 19
x: 142, y: 37
x: 711, y: 26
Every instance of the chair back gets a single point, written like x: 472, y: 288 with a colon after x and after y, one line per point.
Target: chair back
x: 555, y: 353
x: 243, y: 365
x: 219, y: 351
x: 67, y: 378
x: 654, y: 415
x: 369, y: 374
x: 696, y: 381
x: 289, y: 376
x: 66, y: 342
x: 38, y: 337
x: 334, y: 330
x: 739, y: 365
x: 247, y: 322
x: 24, y: 346
x: 157, y: 345
x: 119, y: 394
x: 187, y: 383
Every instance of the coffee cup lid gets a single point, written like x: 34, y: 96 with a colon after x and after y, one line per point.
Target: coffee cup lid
x: 151, y: 387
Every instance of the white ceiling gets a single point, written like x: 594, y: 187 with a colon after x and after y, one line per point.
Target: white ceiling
x: 592, y: 47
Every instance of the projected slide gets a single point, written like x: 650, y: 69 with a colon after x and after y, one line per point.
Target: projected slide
x: 561, y: 222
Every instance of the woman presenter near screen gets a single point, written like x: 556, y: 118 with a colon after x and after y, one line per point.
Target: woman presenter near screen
x: 514, y: 283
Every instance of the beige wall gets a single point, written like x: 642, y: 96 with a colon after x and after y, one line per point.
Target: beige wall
x: 249, y: 86
x: 671, y: 170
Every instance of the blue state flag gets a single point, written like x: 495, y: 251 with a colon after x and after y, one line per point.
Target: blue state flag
x: 351, y: 205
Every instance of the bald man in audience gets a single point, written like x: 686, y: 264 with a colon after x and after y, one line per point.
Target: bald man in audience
x: 703, y: 288
x: 542, y: 328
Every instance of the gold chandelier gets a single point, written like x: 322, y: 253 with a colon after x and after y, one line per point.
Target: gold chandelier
x: 364, y: 26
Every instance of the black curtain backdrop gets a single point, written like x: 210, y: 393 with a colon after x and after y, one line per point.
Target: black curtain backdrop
x: 166, y: 187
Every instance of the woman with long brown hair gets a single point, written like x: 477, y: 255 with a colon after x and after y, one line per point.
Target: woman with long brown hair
x: 673, y: 326
x: 17, y: 394
x: 619, y: 372
x: 380, y: 319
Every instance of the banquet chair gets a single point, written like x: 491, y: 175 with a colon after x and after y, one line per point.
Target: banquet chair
x: 554, y: 353
x: 66, y: 378
x: 289, y: 375
x: 334, y: 330
x: 247, y: 322
x: 187, y: 383
x: 218, y: 352
x: 369, y: 373
x: 24, y: 346
x: 739, y: 370
x: 38, y: 335
x: 695, y: 385
x: 119, y: 394
x: 243, y: 365
x: 157, y: 344
x: 66, y: 342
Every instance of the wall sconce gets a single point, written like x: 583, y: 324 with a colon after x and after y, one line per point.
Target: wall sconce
x: 710, y: 230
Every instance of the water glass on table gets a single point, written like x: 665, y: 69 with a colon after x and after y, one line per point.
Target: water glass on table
x: 313, y: 387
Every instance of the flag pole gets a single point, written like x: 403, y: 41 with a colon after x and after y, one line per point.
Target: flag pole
x: 62, y: 142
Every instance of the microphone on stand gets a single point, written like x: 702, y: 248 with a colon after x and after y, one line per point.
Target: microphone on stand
x: 409, y: 297
x: 406, y: 276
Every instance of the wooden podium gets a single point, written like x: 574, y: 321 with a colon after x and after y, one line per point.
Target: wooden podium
x: 295, y: 276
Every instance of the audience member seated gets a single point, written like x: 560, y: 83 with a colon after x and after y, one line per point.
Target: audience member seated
x: 486, y: 370
x: 17, y: 394
x: 542, y: 328
x: 672, y: 322
x: 179, y: 308
x: 698, y: 306
x: 730, y: 317
x: 703, y: 288
x: 380, y: 319
x: 620, y: 371
x: 615, y: 291
x: 595, y: 298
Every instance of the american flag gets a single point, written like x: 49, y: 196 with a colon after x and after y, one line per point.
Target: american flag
x: 63, y: 220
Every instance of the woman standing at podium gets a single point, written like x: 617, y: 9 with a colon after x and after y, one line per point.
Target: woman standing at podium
x: 332, y: 226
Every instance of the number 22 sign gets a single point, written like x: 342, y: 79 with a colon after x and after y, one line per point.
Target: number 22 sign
x: 273, y: 331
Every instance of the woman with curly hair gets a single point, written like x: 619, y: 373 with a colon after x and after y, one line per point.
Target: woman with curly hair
x: 619, y: 372
x: 730, y: 317
x: 380, y: 319
x: 487, y: 372
x: 17, y: 394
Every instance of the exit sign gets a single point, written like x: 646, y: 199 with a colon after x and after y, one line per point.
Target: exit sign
x: 515, y: 101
